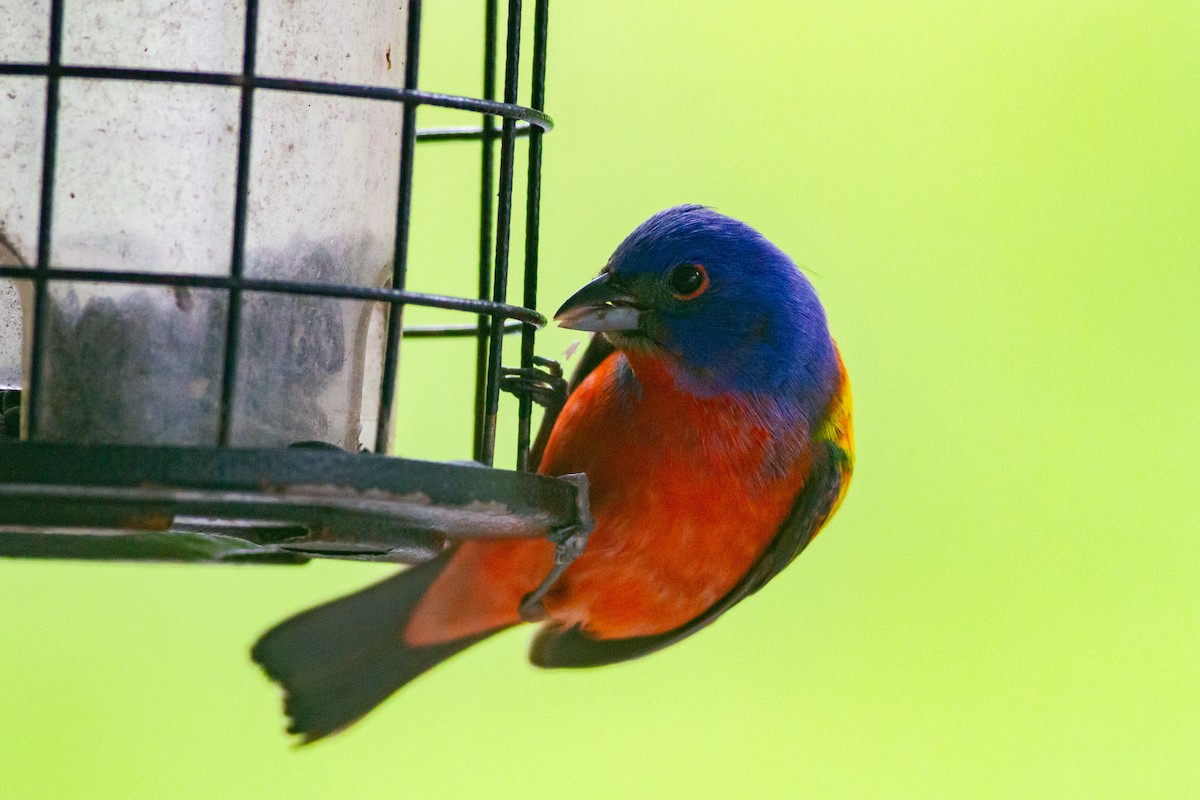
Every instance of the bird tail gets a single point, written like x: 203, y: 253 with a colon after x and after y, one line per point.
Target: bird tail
x: 339, y: 660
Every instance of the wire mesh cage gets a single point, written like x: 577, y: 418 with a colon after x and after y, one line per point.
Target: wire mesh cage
x: 204, y: 228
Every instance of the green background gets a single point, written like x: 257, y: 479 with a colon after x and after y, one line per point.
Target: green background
x: 999, y: 205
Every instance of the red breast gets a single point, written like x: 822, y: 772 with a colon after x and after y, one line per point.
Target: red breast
x: 686, y: 493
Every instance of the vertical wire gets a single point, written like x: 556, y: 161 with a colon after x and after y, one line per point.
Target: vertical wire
x: 391, y: 356
x: 41, y: 274
x: 237, y: 268
x: 486, y: 177
x: 503, y: 232
x: 541, y: 17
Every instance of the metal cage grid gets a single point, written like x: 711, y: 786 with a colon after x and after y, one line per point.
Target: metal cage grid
x: 495, y: 315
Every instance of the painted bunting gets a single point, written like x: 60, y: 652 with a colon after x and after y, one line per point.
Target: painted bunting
x: 712, y: 416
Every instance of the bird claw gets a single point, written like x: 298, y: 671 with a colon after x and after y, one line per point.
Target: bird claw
x: 543, y: 382
x: 569, y: 544
x: 545, y: 385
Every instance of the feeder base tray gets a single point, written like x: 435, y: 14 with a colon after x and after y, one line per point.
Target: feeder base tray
x: 151, y: 503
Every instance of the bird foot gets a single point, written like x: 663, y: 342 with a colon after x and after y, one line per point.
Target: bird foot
x: 543, y: 382
x: 569, y: 544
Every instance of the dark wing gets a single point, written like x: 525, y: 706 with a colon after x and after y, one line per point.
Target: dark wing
x: 572, y: 647
x: 597, y: 350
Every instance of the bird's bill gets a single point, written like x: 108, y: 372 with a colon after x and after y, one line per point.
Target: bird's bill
x: 600, y: 306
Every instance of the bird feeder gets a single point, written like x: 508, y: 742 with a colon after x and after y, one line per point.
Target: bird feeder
x: 204, y: 214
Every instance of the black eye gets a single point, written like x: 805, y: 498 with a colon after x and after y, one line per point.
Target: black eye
x: 688, y: 281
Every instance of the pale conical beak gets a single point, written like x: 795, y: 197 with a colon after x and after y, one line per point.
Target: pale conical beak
x: 600, y: 306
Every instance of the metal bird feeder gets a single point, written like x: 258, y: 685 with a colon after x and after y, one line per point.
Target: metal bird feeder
x: 204, y: 226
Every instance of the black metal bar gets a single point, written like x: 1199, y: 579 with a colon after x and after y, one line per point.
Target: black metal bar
x: 468, y: 134
x: 391, y: 357
x: 503, y: 230
x: 453, y: 331
x: 41, y: 283
x: 237, y: 264
x: 533, y: 199
x: 486, y: 179
x: 468, y: 304
x: 387, y: 93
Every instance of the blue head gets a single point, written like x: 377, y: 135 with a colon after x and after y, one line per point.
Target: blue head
x: 728, y: 309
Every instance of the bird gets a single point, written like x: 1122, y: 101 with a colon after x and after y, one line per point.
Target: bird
x: 712, y: 416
